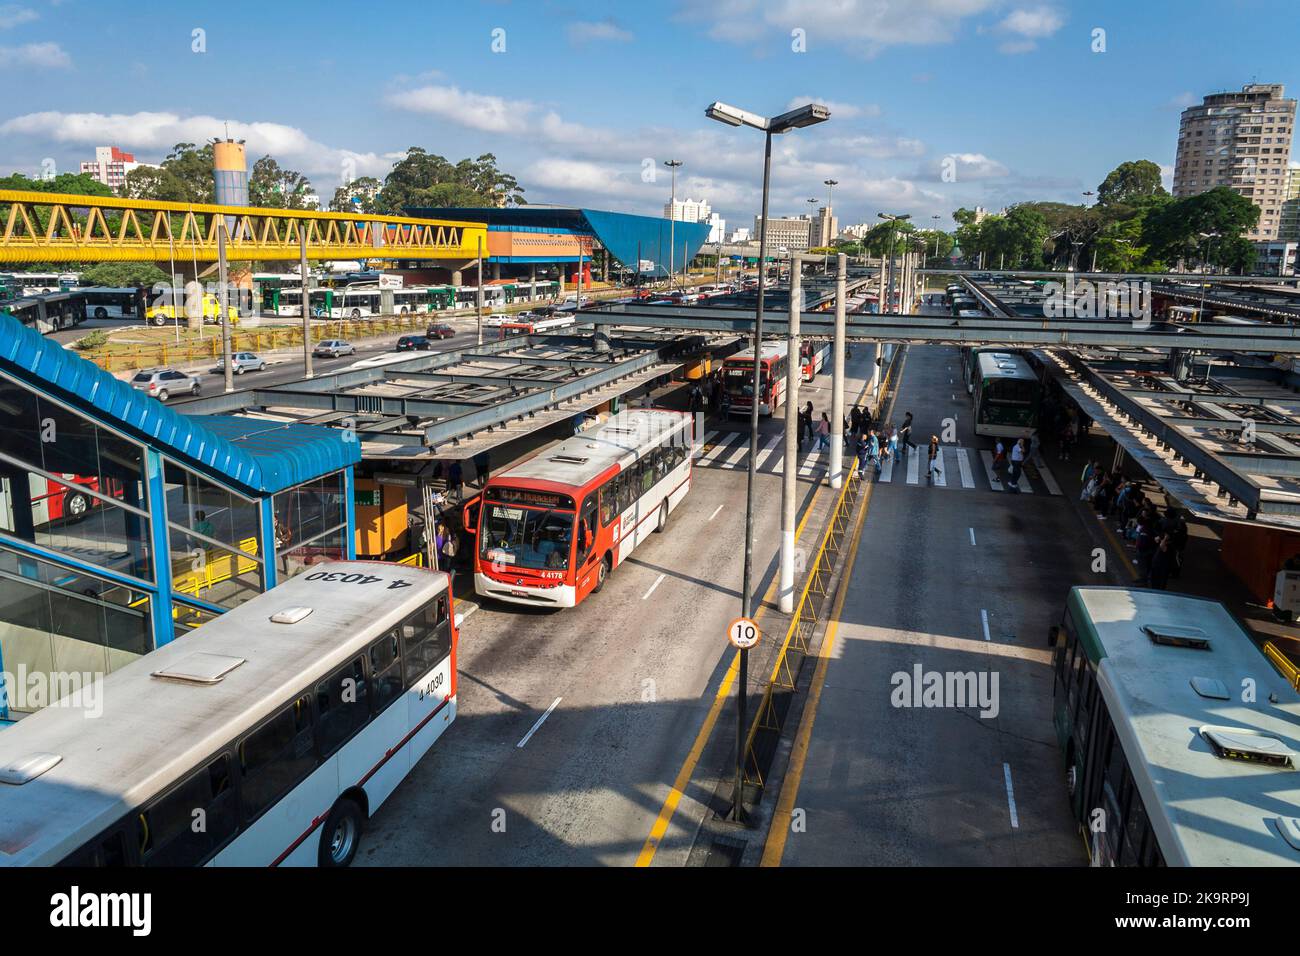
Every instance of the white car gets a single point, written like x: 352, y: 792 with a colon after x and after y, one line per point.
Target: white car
x: 240, y: 363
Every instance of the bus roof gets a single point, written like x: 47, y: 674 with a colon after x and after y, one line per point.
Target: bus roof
x: 153, y: 730
x: 1003, y: 364
x: 585, y: 457
x: 771, y: 350
x: 1218, y: 811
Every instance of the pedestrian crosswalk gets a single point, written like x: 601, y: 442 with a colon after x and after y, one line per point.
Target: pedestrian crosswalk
x: 959, y: 468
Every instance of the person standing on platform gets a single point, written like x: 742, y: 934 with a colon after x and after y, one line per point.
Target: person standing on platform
x: 824, y: 433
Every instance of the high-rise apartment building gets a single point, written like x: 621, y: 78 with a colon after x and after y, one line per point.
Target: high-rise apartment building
x: 1289, y: 220
x: 823, y: 229
x: 1243, y: 141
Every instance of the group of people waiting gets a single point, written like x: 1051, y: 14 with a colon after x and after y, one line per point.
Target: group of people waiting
x: 1159, y: 540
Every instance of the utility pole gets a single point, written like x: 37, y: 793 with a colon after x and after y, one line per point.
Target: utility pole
x: 306, y: 308
x: 478, y: 293
x: 222, y: 300
x: 672, y: 220
x: 789, y: 474
x: 837, y: 372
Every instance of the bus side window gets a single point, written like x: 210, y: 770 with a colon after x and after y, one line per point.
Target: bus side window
x: 646, y: 469
x: 275, y: 758
x: 442, y: 608
x: 624, y: 485
x: 169, y: 831
x: 385, y: 671
x: 106, y: 850
x: 342, y: 706
x: 586, y: 529
x: 608, y: 502
x: 419, y: 645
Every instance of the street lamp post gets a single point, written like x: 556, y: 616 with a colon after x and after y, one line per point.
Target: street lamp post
x: 672, y: 219
x: 936, y: 235
x: 794, y: 119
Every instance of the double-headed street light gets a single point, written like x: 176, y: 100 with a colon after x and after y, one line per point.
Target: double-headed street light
x: 672, y: 164
x: 809, y: 115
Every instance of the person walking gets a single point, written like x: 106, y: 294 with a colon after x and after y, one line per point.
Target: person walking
x: 905, y: 434
x: 808, y: 419
x: 1017, y: 464
x: 1146, y: 549
x: 855, y: 419
x: 824, y: 433
x: 873, y: 450
x: 892, y: 448
x: 456, y: 479
x: 933, y: 467
x: 999, y: 458
x: 1178, y: 543
x: 1162, y: 563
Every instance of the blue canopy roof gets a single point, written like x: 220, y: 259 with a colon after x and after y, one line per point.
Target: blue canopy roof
x: 256, y: 456
x: 623, y: 234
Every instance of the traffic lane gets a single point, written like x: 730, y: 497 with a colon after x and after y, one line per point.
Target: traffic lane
x: 890, y: 782
x: 634, y: 673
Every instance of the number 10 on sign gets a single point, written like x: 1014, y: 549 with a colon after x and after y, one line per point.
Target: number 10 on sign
x: 743, y: 633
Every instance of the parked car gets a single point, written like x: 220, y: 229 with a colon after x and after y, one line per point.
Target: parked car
x: 333, y: 348
x: 440, y: 332
x: 163, y: 383
x: 413, y: 343
x: 240, y: 363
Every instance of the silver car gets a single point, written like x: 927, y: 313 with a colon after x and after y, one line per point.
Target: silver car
x: 240, y: 363
x: 163, y: 383
x: 333, y: 348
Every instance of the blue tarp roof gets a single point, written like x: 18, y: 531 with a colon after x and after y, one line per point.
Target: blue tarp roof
x: 261, y: 457
x: 623, y: 234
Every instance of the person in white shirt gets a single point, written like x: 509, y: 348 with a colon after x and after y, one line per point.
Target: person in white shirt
x: 1017, y: 463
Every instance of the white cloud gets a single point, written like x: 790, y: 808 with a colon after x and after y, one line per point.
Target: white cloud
x: 839, y: 110
x: 588, y: 32
x: 1035, y: 22
x: 861, y: 26
x: 39, y: 56
x: 12, y: 15
x: 967, y: 167
x: 879, y: 147
x: 492, y: 114
x: 155, y: 133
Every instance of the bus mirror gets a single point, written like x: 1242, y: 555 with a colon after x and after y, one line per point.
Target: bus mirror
x: 469, y: 515
x: 1053, y: 633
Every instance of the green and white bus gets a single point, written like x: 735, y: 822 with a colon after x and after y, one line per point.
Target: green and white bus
x: 1007, y: 394
x: 1180, y: 738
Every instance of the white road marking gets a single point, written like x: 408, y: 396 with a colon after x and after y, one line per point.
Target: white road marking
x: 715, y: 512
x: 984, y: 621
x: 734, y: 459
x: 699, y: 446
x: 914, y: 467
x: 940, y: 469
x: 972, y: 537
x: 963, y: 465
x: 720, y: 447
x: 1011, y: 796
x: 1048, y: 478
x: 658, y: 581
x: 887, y: 471
x: 809, y: 463
x: 540, y: 720
x: 767, y: 450
x: 986, y: 457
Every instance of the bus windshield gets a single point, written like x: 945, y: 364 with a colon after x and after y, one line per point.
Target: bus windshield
x: 525, y: 537
x: 739, y: 380
x: 1011, y: 391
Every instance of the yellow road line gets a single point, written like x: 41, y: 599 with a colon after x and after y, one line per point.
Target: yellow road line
x: 683, y: 778
x: 779, y: 829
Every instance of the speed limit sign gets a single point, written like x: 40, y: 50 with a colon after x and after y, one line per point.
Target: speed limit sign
x: 742, y: 633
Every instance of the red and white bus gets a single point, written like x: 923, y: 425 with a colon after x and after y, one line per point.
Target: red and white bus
x: 548, y: 531
x: 66, y: 500
x: 738, y: 374
x: 532, y: 325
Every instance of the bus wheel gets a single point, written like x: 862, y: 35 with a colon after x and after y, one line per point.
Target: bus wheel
x: 341, y: 835
x: 663, y: 517
x: 356, y: 313
x: 602, y: 573
x: 101, y: 312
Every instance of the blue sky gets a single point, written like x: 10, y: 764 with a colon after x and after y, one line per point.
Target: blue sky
x: 585, y: 97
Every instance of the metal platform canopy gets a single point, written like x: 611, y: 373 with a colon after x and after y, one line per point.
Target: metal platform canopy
x: 1194, y: 437
x: 456, y: 404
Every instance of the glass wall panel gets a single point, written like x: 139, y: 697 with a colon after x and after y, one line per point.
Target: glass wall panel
x: 59, y: 629
x: 308, y: 510
x: 206, y: 508
x: 214, y: 574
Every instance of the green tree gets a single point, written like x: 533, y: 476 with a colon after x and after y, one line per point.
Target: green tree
x: 273, y: 187
x: 422, y: 178
x: 360, y: 195
x: 1200, y: 227
x: 1130, y: 182
x: 185, y: 175
x: 123, y: 274
x: 938, y: 244
x: 79, y: 184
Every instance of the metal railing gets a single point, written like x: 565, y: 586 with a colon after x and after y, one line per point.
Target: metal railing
x: 810, y: 612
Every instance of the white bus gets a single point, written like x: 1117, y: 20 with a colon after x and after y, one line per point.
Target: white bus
x: 282, y: 724
x: 527, y: 324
